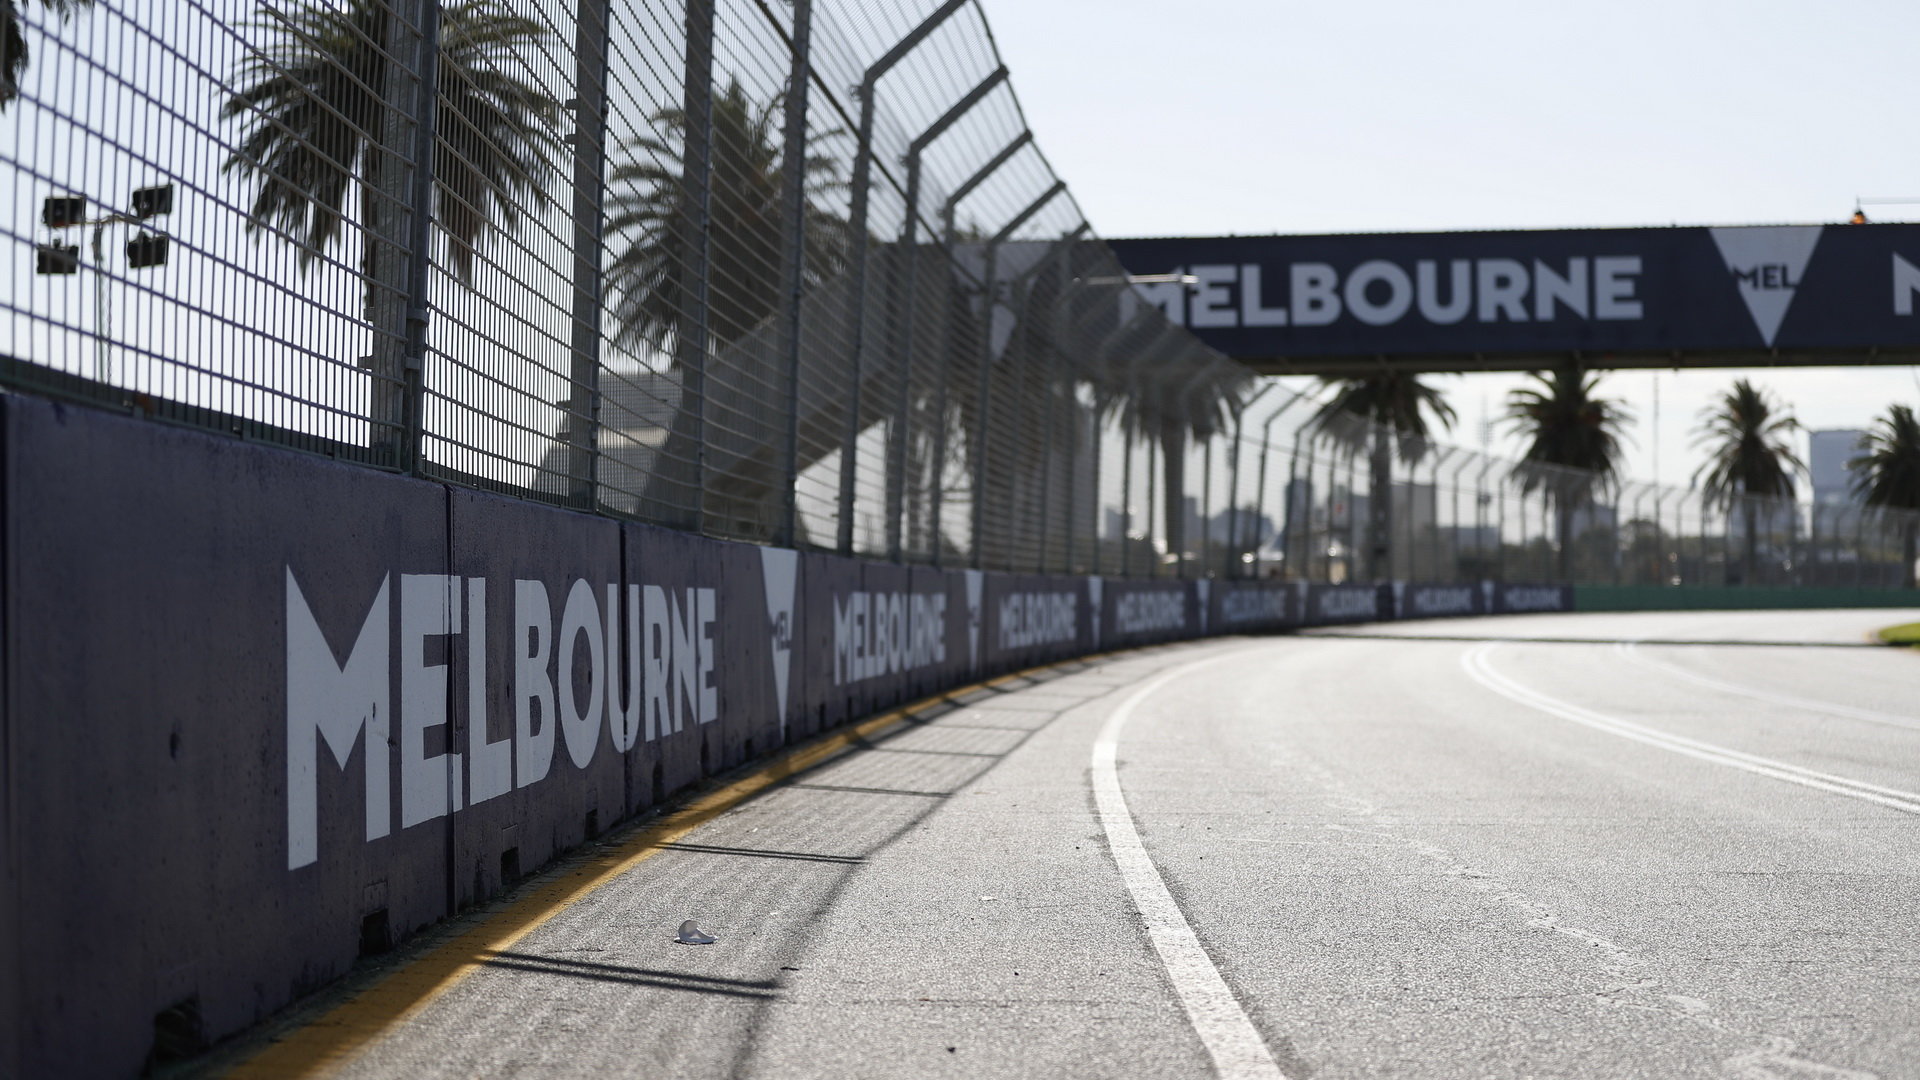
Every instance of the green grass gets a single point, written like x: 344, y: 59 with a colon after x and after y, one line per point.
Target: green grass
x: 1904, y: 634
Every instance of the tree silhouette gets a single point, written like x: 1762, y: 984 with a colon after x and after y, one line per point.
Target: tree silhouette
x: 1379, y: 414
x: 648, y: 209
x: 1886, y: 474
x: 1573, y: 448
x: 654, y: 224
x: 316, y: 105
x: 312, y: 103
x: 14, y: 55
x: 1748, y: 457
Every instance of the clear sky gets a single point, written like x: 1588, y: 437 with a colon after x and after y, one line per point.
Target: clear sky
x: 1209, y: 117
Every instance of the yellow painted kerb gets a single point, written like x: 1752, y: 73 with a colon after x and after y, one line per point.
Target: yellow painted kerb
x: 342, y: 1032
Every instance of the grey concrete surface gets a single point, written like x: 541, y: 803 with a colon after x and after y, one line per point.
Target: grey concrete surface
x: 1399, y: 872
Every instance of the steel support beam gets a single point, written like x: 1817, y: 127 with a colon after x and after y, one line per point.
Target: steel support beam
x: 857, y: 256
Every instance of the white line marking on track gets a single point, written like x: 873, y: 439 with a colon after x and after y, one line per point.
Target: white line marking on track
x: 1631, y: 650
x: 1475, y: 662
x: 1237, y: 1049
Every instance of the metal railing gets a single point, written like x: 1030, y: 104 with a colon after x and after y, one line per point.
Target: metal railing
x: 1285, y: 496
x: 790, y: 272
x: 786, y: 271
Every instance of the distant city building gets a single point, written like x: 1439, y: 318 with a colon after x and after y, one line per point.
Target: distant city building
x: 1219, y: 529
x: 1589, y: 516
x: 1827, y: 455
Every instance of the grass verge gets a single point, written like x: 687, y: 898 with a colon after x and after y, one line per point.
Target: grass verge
x: 1904, y: 634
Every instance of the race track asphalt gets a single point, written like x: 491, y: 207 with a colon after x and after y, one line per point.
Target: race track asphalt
x: 1659, y: 845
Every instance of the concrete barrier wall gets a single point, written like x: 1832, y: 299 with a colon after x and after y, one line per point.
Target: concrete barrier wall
x: 265, y: 714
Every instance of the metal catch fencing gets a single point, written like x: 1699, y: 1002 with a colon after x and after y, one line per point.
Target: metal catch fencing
x: 790, y: 272
x: 783, y: 271
x: 1285, y: 492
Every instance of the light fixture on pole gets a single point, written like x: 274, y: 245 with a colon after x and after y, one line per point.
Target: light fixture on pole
x: 144, y: 250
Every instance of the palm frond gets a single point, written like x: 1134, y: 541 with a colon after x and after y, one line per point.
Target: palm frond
x: 1574, y: 436
x: 14, y: 52
x: 1396, y: 402
x: 313, y: 99
x: 1886, y: 472
x: 648, y: 213
x: 1745, y: 433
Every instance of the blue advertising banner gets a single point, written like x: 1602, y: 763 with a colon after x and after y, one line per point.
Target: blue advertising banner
x: 1415, y: 601
x: 1143, y: 612
x: 1738, y: 290
x: 1530, y: 599
x: 1254, y: 606
x: 1333, y: 605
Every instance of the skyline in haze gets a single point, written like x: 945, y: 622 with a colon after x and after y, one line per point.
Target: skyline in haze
x: 1232, y: 117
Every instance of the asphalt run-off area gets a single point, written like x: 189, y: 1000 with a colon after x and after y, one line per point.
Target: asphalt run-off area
x: 1573, y: 845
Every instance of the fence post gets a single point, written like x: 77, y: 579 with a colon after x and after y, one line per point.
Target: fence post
x: 793, y: 267
x: 1068, y: 328
x: 1453, y: 548
x: 1500, y: 527
x: 1233, y: 479
x: 1134, y: 420
x: 419, y: 238
x: 1085, y: 420
x: 592, y: 36
x: 1127, y: 425
x: 1303, y: 568
x: 909, y: 243
x: 1414, y: 546
x: 394, y: 236
x: 1020, y: 298
x: 1060, y: 258
x: 697, y: 177
x: 941, y: 392
x: 1153, y: 475
x: 1101, y: 351
x: 984, y: 421
x: 1660, y: 540
x: 1260, y: 493
x: 857, y: 261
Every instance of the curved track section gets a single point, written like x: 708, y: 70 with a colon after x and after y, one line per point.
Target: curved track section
x: 1653, y: 845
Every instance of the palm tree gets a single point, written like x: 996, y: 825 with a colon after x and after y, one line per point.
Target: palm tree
x: 1379, y: 414
x: 1202, y: 410
x: 1748, y: 456
x: 653, y: 225
x: 1573, y: 448
x: 316, y: 107
x: 1887, y: 475
x: 648, y: 205
x: 13, y: 42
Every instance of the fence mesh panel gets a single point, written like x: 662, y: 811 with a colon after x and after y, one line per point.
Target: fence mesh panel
x: 784, y: 271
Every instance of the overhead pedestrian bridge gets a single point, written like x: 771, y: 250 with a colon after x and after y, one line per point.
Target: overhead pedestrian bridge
x: 1743, y: 296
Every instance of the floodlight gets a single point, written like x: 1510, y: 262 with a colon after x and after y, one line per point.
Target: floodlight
x: 147, y: 249
x: 56, y: 259
x: 153, y: 201
x: 60, y: 211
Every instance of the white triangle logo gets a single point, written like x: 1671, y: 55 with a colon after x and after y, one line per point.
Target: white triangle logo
x: 1766, y: 263
x: 1201, y: 588
x: 1093, y: 601
x: 777, y: 569
x: 974, y: 584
